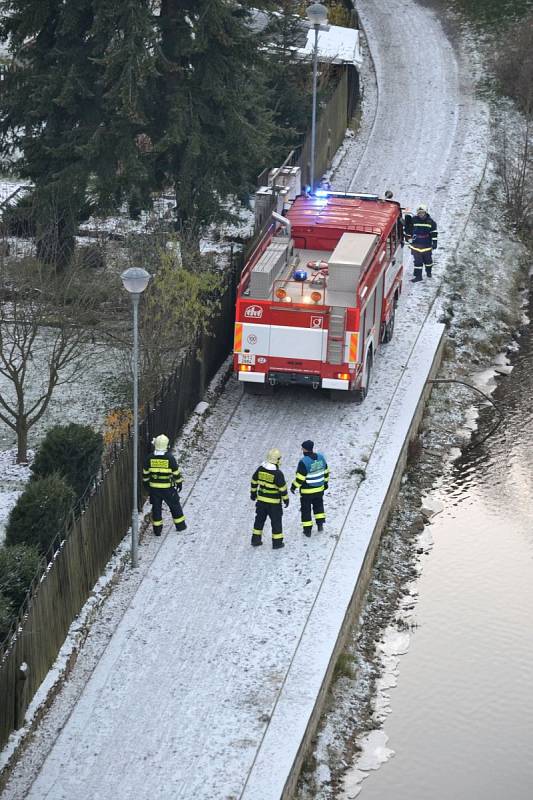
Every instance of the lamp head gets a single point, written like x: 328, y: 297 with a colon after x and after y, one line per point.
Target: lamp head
x: 135, y: 280
x: 317, y: 14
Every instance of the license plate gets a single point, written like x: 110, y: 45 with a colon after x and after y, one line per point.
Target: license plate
x: 247, y: 358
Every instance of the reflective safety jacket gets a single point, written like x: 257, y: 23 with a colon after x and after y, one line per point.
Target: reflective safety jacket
x: 423, y: 233
x: 161, y: 471
x: 268, y: 484
x: 312, y: 474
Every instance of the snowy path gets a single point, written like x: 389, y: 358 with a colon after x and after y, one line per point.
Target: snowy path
x: 182, y: 697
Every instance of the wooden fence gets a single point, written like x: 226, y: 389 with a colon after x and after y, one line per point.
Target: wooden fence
x: 332, y: 121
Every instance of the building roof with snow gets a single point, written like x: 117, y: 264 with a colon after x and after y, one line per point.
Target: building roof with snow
x: 336, y: 45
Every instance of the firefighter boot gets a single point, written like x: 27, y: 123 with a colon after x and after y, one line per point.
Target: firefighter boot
x: 320, y: 526
x: 257, y: 540
x: 428, y: 272
x: 277, y: 544
x: 307, y: 532
x: 418, y: 275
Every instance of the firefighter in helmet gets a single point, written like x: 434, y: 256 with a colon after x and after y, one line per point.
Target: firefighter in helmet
x: 268, y: 490
x: 162, y: 478
x: 312, y: 480
x: 421, y: 235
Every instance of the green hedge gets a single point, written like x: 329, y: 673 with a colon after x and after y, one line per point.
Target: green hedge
x: 40, y: 513
x: 18, y: 567
x: 74, y: 451
x: 6, y: 616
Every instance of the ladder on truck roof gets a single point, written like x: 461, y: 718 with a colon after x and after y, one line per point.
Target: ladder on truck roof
x: 337, y: 326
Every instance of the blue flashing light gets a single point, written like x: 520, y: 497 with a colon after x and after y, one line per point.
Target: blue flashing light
x: 299, y: 275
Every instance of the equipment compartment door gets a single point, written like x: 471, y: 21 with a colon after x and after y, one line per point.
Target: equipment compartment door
x: 305, y: 338
x: 255, y: 339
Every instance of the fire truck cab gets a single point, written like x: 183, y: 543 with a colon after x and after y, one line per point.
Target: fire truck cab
x: 318, y: 295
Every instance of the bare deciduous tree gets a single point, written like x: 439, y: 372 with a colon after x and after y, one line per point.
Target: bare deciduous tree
x: 43, y: 344
x: 515, y: 164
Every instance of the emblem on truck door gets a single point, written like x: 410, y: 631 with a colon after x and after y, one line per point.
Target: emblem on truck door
x: 255, y: 312
x: 316, y: 322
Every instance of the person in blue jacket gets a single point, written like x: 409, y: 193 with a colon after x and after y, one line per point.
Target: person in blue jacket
x: 312, y: 480
x: 421, y: 235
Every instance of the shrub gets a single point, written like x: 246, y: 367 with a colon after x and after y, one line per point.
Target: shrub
x: 117, y: 424
x: 90, y: 257
x: 18, y: 566
x: 74, y: 451
x: 6, y: 616
x: 40, y: 513
x: 20, y: 217
x: 514, y: 63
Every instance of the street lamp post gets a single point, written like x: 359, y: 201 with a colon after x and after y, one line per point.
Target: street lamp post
x: 317, y: 14
x: 135, y: 281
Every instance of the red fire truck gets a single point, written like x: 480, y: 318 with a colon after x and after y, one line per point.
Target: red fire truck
x: 319, y: 294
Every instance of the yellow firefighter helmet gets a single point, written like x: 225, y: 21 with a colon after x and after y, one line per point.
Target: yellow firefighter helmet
x: 274, y: 456
x: 161, y: 442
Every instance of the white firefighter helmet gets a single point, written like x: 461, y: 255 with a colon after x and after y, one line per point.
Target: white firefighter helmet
x: 161, y: 442
x: 422, y: 207
x: 274, y: 456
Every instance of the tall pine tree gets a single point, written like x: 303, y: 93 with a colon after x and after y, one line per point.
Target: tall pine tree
x: 120, y: 151
x: 114, y: 99
x: 75, y: 109
x: 47, y: 112
x: 212, y: 126
x: 289, y: 78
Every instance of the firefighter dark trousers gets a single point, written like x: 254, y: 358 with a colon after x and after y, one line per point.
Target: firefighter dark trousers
x: 172, y: 499
x: 312, y: 504
x: 275, y: 512
x: 421, y: 260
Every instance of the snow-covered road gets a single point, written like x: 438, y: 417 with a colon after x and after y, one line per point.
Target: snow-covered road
x: 190, y: 682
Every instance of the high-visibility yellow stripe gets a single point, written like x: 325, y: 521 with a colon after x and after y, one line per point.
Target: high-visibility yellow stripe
x: 354, y: 340
x: 237, y: 344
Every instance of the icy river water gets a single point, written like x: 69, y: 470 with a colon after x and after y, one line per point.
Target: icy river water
x: 461, y: 724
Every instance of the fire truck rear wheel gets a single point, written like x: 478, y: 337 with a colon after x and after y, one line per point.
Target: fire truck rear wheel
x: 342, y: 396
x: 363, y: 391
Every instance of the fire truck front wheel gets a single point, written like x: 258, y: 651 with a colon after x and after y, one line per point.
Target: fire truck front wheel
x: 389, y: 328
